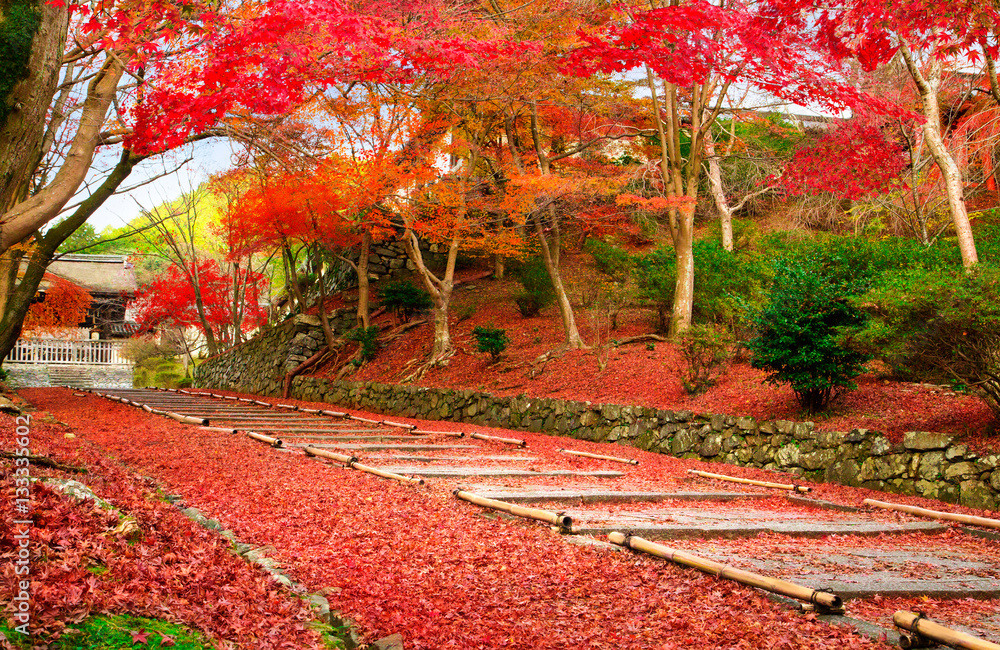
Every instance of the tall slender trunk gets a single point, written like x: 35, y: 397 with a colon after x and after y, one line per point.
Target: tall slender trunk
x: 364, y: 285
x: 499, y: 267
x: 440, y: 291
x: 292, y: 278
x: 718, y: 193
x: 194, y: 276
x: 684, y: 288
x: 237, y: 304
x: 550, y: 255
x: 321, y: 305
x: 928, y: 86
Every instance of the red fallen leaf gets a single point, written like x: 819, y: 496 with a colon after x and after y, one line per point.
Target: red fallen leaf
x: 139, y: 637
x: 167, y: 641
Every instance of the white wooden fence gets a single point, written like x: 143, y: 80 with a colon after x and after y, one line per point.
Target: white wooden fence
x: 67, y: 351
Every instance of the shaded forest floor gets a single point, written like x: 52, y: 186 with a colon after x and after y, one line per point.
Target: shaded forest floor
x: 649, y: 374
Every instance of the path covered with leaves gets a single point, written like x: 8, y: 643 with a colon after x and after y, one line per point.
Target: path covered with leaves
x: 418, y: 562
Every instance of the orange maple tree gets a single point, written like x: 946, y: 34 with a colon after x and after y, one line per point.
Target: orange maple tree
x: 63, y: 305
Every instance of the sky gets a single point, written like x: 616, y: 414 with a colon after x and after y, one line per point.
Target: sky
x: 189, y: 167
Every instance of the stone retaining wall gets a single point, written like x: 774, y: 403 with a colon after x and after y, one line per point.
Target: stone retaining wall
x: 926, y: 464
x: 40, y: 375
x: 260, y: 364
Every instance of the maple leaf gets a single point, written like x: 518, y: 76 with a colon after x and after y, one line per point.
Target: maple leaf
x: 139, y: 637
x: 167, y: 641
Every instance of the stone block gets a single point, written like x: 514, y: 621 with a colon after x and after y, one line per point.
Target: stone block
x: 880, y: 446
x: 931, y: 466
x: 787, y: 456
x: 977, y: 494
x: 818, y: 460
x: 718, y: 422
x: 957, y: 472
x: 844, y: 472
x: 881, y: 468
x: 925, y: 440
x: 712, y: 445
x: 684, y: 441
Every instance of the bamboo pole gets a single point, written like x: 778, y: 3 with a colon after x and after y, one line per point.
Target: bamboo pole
x: 936, y: 514
x: 323, y: 453
x: 186, y: 419
x: 246, y: 399
x: 453, y: 434
x: 600, y: 457
x: 387, y: 423
x: 219, y: 429
x: 384, y: 474
x: 923, y: 627
x: 334, y: 414
x: 555, y: 518
x: 290, y: 407
x: 774, y: 585
x: 354, y: 417
x: 274, y: 442
x: 257, y: 401
x: 512, y: 441
x: 747, y: 481
x: 314, y: 411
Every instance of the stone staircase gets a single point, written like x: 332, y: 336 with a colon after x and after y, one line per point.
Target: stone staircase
x: 76, y: 376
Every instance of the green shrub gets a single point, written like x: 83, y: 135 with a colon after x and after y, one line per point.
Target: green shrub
x: 139, y: 349
x: 492, y: 340
x: 465, y: 312
x: 722, y: 281
x: 404, y: 299
x: 611, y: 260
x: 937, y: 323
x: 706, y: 349
x: 796, y: 333
x: 538, y: 290
x: 166, y: 379
x: 367, y: 338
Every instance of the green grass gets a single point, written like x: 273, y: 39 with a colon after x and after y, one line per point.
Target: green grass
x: 109, y: 632
x: 159, y: 372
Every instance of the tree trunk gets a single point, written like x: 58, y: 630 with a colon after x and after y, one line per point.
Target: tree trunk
x: 498, y: 267
x: 199, y: 302
x: 928, y: 87
x: 684, y: 289
x: 718, y: 194
x: 17, y: 295
x: 237, y: 307
x: 440, y: 290
x: 364, y: 286
x: 551, y: 259
x: 19, y: 222
x: 321, y: 305
x: 27, y: 92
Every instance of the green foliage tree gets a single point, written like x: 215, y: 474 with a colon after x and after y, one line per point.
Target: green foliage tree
x: 492, y: 340
x: 796, y: 333
x: 724, y: 279
x: 404, y: 299
x: 706, y: 349
x: 367, y: 338
x: 538, y: 290
x: 942, y: 324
